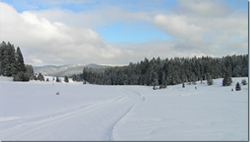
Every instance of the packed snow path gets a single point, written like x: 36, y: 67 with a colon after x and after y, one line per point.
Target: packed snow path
x: 33, y: 111
x: 89, y: 122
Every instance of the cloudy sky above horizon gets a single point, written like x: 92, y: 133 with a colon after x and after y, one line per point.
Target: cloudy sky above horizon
x: 117, y: 32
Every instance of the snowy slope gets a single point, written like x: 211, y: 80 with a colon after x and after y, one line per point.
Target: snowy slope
x: 64, y: 69
x: 33, y: 111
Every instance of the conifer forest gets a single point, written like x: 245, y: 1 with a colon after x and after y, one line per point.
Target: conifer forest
x: 169, y: 71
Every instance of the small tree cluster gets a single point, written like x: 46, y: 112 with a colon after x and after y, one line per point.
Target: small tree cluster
x: 76, y: 78
x: 12, y: 63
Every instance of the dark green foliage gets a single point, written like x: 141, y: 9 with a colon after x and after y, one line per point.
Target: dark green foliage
x: 30, y: 71
x: 21, y: 76
x: 227, y: 81
x: 66, y: 79
x: 57, y: 79
x: 12, y: 63
x: 154, y: 80
x: 244, y: 82
x: 40, y: 77
x: 238, y: 87
x: 209, y: 80
x: 19, y: 60
x: 76, y: 78
x: 169, y: 71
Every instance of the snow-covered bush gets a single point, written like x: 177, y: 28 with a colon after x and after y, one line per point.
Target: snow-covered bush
x: 244, y: 82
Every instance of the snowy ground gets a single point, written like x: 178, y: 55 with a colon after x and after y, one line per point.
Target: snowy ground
x: 33, y: 111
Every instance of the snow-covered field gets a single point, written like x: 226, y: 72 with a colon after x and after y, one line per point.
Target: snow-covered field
x: 33, y: 111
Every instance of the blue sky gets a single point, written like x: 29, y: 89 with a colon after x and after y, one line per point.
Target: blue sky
x: 118, y: 31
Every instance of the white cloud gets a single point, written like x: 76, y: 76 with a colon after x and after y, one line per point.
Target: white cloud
x: 59, y: 36
x: 44, y: 42
x: 175, y: 25
x: 204, y: 8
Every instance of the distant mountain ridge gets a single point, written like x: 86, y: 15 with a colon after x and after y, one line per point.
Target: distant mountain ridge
x: 63, y: 70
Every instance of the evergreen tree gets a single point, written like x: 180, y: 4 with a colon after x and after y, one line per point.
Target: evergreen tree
x: 209, y: 80
x: 66, y: 79
x: 227, y: 81
x: 57, y: 79
x: 40, y: 77
x: 154, y: 80
x: 19, y: 60
x: 238, y: 87
x: 164, y: 83
x: 30, y: 71
x: 244, y: 82
x: 21, y: 76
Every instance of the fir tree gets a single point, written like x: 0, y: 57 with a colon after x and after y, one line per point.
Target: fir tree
x: 227, y: 81
x: 238, y: 87
x: 57, y: 79
x: 244, y: 82
x: 19, y: 61
x: 40, y: 77
x: 209, y: 80
x: 21, y: 76
x: 154, y: 80
x: 164, y: 83
x: 66, y: 79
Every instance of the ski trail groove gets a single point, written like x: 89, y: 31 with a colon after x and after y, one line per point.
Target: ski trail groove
x: 113, y: 136
x: 96, y: 121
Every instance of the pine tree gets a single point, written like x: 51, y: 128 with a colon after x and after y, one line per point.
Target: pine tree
x: 30, y: 71
x: 57, y: 79
x: 244, y: 82
x: 209, y: 80
x: 19, y: 61
x: 40, y: 77
x: 238, y: 87
x: 21, y: 76
x: 154, y: 80
x: 164, y: 83
x: 227, y: 81
x: 66, y: 79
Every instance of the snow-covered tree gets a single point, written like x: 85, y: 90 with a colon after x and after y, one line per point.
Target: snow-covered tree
x: 19, y: 60
x: 238, y: 87
x: 244, y: 82
x: 209, y: 80
x: 21, y: 76
x: 154, y: 80
x: 227, y: 81
x: 40, y: 77
x: 66, y: 79
x: 58, y: 79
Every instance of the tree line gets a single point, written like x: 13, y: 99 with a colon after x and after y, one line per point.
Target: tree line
x: 169, y: 71
x: 12, y: 63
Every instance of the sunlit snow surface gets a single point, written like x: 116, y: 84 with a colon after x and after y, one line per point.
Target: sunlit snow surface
x: 33, y: 111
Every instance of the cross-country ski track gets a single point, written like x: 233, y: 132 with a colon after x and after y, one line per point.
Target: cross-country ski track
x: 32, y: 111
x: 92, y: 122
